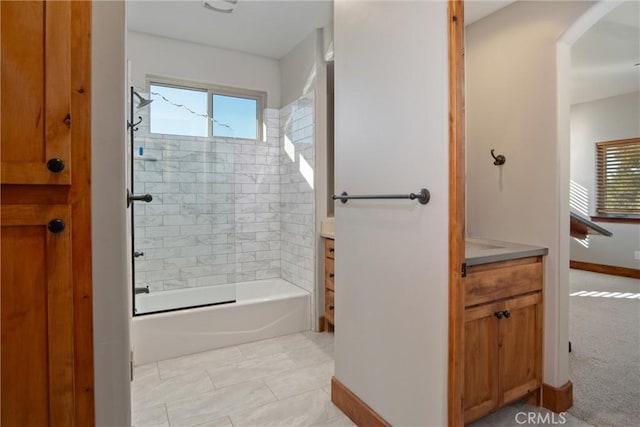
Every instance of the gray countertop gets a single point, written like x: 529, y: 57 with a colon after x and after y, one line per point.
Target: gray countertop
x: 484, y: 251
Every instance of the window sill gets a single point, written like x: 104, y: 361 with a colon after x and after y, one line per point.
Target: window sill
x: 626, y: 219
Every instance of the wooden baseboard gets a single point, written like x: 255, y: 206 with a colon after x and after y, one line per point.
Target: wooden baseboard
x: 557, y: 399
x: 634, y: 273
x: 359, y: 412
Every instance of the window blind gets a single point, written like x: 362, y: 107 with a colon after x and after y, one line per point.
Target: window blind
x: 618, y: 176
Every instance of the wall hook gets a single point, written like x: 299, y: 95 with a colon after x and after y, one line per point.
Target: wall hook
x: 134, y: 125
x: 499, y: 159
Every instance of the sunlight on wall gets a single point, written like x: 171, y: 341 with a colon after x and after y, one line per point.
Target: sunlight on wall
x: 579, y: 202
x: 289, y: 148
x: 584, y: 242
x: 306, y: 170
x: 578, y: 198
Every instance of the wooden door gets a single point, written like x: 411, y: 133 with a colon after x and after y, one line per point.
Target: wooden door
x: 481, y: 381
x: 36, y: 92
x: 37, y: 325
x: 46, y: 346
x: 521, y: 347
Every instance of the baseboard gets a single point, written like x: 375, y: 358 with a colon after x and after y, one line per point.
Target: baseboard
x: 321, y: 324
x: 359, y: 412
x: 634, y: 273
x: 557, y: 399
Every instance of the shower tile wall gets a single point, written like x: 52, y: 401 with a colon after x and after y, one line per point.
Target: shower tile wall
x: 297, y: 165
x: 226, y: 210
x: 215, y: 214
x: 257, y: 204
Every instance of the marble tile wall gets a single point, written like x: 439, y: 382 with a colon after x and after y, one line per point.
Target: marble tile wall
x: 215, y: 215
x: 226, y: 210
x: 297, y: 163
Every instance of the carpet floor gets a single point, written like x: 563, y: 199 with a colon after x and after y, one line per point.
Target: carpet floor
x: 604, y: 364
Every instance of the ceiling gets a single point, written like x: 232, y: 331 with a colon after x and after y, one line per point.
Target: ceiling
x: 602, y: 60
x: 260, y: 27
x: 475, y: 10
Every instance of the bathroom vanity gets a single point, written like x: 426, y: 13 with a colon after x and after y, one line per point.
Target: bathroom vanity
x: 327, y: 228
x: 503, y: 325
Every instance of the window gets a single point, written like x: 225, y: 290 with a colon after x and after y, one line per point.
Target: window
x: 178, y: 111
x: 618, y: 178
x: 187, y: 110
x: 235, y: 116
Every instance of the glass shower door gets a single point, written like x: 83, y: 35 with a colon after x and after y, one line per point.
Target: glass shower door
x: 184, y: 239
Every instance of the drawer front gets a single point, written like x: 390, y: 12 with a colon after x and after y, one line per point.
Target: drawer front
x: 495, y: 281
x: 329, y: 274
x: 329, y: 308
x: 329, y: 248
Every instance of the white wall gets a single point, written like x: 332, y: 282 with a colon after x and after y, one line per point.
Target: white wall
x: 511, y: 106
x: 302, y: 71
x: 167, y: 57
x: 110, y: 286
x: 603, y: 120
x: 391, y: 266
x: 298, y: 69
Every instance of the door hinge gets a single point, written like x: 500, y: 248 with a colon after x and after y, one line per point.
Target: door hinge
x: 464, y: 269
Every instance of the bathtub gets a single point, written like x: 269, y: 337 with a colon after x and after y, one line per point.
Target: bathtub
x: 263, y: 309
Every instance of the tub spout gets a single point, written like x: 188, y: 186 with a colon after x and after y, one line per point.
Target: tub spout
x: 144, y: 290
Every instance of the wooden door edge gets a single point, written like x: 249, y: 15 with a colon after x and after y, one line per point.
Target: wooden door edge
x: 456, y: 212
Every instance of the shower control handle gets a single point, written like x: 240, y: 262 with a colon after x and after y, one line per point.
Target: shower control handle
x: 141, y: 198
x: 137, y: 254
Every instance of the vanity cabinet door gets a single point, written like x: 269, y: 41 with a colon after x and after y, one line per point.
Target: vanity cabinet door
x: 329, y: 284
x: 481, y: 382
x: 520, y: 347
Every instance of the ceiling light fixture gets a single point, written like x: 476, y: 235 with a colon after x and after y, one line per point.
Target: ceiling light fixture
x: 224, y: 6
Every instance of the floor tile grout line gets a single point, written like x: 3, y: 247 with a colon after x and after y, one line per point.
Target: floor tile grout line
x: 166, y: 412
x: 267, y: 385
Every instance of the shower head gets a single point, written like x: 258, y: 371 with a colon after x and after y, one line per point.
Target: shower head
x: 143, y: 101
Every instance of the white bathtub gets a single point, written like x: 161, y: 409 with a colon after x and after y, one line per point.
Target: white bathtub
x: 263, y: 309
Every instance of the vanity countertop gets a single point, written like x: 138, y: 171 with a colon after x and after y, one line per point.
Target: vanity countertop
x: 327, y: 228
x: 484, y: 251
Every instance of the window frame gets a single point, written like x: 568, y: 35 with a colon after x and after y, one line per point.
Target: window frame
x: 259, y: 96
x: 604, y: 214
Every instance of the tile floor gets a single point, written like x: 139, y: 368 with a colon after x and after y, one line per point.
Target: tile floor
x: 283, y: 381
x: 279, y: 382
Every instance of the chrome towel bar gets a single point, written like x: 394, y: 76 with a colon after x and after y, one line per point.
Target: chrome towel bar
x: 423, y: 196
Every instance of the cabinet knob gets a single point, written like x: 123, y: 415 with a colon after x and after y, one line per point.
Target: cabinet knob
x: 498, y: 315
x: 506, y: 313
x: 55, y: 165
x: 56, y: 226
x: 331, y: 275
x: 331, y: 307
x: 331, y: 250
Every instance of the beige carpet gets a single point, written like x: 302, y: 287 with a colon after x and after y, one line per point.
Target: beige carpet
x: 604, y: 366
